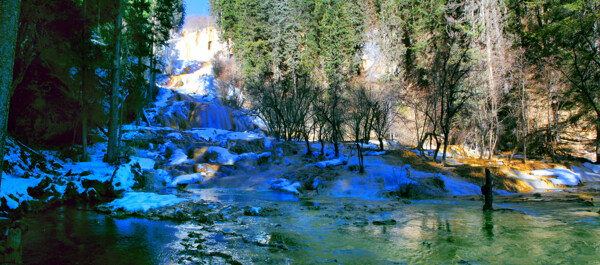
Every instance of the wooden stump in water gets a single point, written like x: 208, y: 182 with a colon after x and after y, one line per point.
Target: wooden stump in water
x: 486, y: 190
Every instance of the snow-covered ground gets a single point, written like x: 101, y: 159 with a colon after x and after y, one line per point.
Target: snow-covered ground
x: 70, y: 172
x: 17, y: 187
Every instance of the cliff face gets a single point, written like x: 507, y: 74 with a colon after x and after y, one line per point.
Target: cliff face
x: 199, y: 45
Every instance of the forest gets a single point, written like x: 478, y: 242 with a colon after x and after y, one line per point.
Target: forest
x: 497, y: 76
x: 80, y: 65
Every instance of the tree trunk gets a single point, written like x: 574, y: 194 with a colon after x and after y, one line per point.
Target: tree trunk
x: 446, y: 136
x: 336, y: 147
x: 114, y: 95
x: 9, y: 25
x: 138, y: 111
x: 525, y: 125
x: 84, y: 71
x: 482, y: 150
x: 14, y: 244
x: 361, y: 163
x: 380, y: 144
x: 322, y: 146
x: 308, y: 151
x: 437, y: 148
x: 84, y: 126
x: 491, y: 144
x: 597, y: 142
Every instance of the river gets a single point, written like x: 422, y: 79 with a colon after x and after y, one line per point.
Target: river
x: 328, y: 230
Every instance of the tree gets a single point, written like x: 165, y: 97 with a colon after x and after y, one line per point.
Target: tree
x: 361, y: 111
x: 9, y: 18
x: 243, y: 25
x: 337, y: 40
x: 384, y: 116
x: 427, y: 44
x: 288, y: 48
x: 138, y: 39
x: 113, y: 125
x: 487, y: 19
x: 165, y: 15
x: 452, y: 95
x: 565, y: 35
x: 445, y: 70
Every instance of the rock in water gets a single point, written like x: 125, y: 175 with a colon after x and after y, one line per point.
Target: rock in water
x: 385, y: 222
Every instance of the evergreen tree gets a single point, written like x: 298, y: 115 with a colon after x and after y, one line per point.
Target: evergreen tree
x: 565, y: 35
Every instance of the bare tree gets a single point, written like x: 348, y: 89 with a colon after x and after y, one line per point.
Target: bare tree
x: 487, y: 19
x: 361, y: 111
x: 285, y: 104
x: 384, y: 116
x: 453, y: 95
x: 229, y: 82
x: 520, y: 113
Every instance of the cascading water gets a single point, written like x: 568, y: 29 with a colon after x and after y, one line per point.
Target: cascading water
x: 213, y: 115
x: 189, y: 96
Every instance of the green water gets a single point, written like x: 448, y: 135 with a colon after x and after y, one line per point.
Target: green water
x: 331, y: 231
x: 341, y: 230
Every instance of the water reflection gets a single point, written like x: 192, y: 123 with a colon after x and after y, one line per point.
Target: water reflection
x: 436, y: 233
x: 488, y: 224
x: 68, y: 236
x: 339, y: 230
x: 241, y: 196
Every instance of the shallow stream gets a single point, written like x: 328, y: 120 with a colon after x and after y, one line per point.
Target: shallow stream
x: 328, y: 230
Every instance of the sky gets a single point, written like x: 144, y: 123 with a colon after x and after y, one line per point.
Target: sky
x: 196, y: 7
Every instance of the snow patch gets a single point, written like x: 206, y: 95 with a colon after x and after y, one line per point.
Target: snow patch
x: 331, y: 163
x: 18, y: 188
x: 255, y: 210
x: 594, y: 168
x: 218, y: 135
x: 286, y: 185
x: 374, y: 153
x: 563, y: 176
x: 145, y: 163
x: 268, y: 144
x: 187, y: 179
x: 459, y: 187
x: 143, y: 201
x: 368, y: 146
x: 400, y: 177
x: 179, y: 157
x: 224, y: 157
x: 175, y: 135
x: 132, y: 135
x: 124, y: 178
x: 163, y: 176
